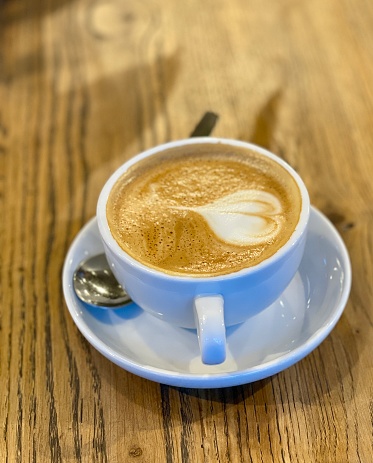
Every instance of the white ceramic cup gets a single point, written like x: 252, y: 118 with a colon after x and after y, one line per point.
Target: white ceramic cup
x: 208, y: 304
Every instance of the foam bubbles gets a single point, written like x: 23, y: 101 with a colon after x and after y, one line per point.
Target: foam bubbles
x: 201, y: 213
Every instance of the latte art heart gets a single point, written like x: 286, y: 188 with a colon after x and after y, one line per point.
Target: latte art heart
x: 246, y: 217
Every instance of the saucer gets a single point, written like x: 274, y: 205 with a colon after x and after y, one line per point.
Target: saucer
x: 268, y: 343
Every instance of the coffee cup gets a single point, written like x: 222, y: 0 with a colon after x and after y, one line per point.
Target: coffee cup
x: 204, y: 233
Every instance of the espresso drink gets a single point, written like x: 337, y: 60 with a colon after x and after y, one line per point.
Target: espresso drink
x: 203, y: 210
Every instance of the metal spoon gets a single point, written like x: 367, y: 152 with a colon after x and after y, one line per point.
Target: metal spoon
x: 93, y: 280
x: 95, y: 284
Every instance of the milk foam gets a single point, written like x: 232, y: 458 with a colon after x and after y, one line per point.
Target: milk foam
x: 246, y: 217
x: 203, y: 210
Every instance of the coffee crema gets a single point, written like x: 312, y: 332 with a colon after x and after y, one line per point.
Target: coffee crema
x: 203, y: 209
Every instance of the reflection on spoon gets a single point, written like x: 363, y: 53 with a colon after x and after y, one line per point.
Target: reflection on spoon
x: 95, y: 284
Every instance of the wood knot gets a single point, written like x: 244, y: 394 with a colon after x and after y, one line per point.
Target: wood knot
x: 135, y: 452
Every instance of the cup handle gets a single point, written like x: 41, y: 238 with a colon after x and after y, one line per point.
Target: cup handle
x: 209, y: 314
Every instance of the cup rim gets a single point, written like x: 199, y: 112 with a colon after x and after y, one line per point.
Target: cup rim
x: 112, y: 244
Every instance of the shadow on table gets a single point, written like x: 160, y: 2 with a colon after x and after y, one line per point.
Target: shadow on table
x: 318, y: 377
x: 117, y: 118
x: 226, y: 395
x: 23, y: 9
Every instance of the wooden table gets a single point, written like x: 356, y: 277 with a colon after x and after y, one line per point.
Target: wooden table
x: 85, y: 85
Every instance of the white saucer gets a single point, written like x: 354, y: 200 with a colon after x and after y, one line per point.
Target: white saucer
x: 271, y: 341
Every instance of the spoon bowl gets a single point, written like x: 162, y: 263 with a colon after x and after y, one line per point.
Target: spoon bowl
x: 95, y: 284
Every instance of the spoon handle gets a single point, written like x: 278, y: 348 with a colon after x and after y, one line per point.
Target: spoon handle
x: 205, y: 125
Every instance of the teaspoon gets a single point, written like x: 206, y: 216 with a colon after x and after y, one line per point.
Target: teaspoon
x: 93, y: 280
x: 95, y: 284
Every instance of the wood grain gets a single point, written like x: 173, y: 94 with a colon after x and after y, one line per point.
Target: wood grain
x: 86, y: 84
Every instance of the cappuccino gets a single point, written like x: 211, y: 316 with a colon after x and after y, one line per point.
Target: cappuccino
x: 204, y: 209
